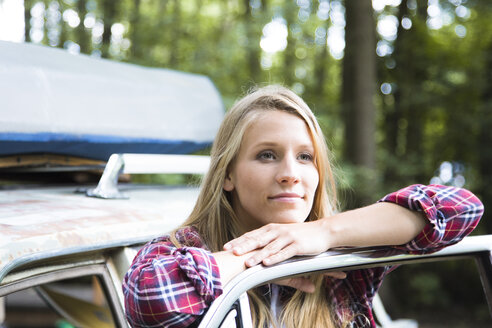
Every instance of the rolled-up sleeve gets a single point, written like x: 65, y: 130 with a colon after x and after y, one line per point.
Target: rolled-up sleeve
x: 451, y: 214
x: 168, y: 286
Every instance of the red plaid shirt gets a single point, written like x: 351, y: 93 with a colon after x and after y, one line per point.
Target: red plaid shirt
x: 172, y: 287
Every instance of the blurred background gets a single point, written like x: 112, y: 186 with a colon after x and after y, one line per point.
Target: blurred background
x: 402, y: 88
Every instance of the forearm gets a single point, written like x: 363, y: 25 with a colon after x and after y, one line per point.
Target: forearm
x: 374, y: 225
x: 230, y: 265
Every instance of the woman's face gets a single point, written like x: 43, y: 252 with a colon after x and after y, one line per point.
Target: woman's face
x: 274, y: 177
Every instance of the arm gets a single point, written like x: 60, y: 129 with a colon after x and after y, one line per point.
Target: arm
x: 420, y: 219
x: 169, y: 286
x: 379, y: 224
x: 451, y: 213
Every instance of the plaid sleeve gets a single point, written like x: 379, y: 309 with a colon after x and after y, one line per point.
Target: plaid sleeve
x: 168, y: 286
x: 451, y: 214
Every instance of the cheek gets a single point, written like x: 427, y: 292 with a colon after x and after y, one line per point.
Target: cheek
x: 251, y: 176
x: 312, y: 180
x: 245, y: 181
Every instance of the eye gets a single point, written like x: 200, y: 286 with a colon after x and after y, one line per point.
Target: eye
x: 266, y: 155
x: 305, y: 157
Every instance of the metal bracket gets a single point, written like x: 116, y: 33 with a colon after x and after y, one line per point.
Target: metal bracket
x: 107, y: 187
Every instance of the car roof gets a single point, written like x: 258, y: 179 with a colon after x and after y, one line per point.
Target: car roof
x: 44, y: 223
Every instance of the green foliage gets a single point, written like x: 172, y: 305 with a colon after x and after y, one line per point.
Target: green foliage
x: 167, y: 179
x: 439, y: 107
x: 435, y: 112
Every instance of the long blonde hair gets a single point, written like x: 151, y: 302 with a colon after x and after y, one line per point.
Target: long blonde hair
x: 214, y: 217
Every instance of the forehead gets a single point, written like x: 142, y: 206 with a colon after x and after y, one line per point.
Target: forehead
x: 277, y: 126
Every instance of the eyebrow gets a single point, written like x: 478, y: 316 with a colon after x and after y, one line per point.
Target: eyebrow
x: 274, y: 144
x: 266, y: 144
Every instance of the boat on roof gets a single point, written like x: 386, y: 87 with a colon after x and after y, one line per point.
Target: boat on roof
x: 58, y: 103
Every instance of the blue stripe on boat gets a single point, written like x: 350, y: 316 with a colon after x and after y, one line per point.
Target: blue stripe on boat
x: 91, y: 146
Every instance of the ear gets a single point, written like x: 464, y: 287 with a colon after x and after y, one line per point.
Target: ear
x: 228, y: 185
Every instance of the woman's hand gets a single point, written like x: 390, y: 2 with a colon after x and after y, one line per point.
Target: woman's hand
x: 374, y: 225
x: 277, y: 242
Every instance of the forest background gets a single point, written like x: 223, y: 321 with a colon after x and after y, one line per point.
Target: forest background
x: 402, y: 88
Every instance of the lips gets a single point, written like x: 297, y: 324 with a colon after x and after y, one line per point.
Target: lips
x: 286, y: 197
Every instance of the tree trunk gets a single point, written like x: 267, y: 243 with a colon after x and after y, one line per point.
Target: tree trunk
x: 176, y: 35
x: 135, y: 52
x: 320, y: 68
x: 394, y: 116
x: 45, y: 39
x: 288, y: 68
x: 252, y: 48
x: 84, y: 39
x: 63, y: 28
x: 27, y: 20
x: 358, y: 86
x: 484, y: 150
x: 416, y: 108
x: 109, y: 15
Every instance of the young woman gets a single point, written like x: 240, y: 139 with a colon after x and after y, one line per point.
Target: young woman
x: 270, y: 195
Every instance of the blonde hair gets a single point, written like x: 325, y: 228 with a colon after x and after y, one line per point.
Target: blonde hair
x: 214, y: 217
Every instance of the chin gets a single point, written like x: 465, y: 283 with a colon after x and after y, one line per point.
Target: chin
x: 291, y: 218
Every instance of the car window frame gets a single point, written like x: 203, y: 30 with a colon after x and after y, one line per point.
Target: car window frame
x: 478, y: 248
x: 52, y: 273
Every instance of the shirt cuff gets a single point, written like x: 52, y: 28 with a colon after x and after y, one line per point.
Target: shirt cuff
x: 451, y: 214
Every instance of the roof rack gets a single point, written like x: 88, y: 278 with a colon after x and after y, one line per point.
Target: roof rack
x: 107, y: 187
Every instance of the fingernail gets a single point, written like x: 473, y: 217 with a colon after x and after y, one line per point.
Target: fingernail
x: 267, y: 261
x: 250, y: 262
x: 227, y: 247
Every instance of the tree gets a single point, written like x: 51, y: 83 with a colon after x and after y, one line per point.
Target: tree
x: 288, y: 67
x: 358, y: 86
x: 109, y: 15
x: 83, y: 38
x: 253, y: 34
x: 27, y: 20
x: 485, y: 135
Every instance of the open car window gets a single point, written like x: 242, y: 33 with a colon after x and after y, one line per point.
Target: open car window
x: 445, y: 293
x: 70, y: 293
x: 77, y: 302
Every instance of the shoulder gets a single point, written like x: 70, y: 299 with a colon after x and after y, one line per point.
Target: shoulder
x: 187, y: 236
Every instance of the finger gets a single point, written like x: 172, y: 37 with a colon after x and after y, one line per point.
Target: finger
x: 250, y: 241
x: 302, y: 284
x: 240, y: 240
x: 282, y: 255
x: 336, y: 274
x: 272, y: 248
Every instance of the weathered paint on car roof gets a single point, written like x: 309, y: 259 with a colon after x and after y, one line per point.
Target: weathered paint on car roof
x: 37, y: 222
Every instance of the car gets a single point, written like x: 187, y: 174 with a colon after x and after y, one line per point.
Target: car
x: 67, y: 240
x: 232, y: 308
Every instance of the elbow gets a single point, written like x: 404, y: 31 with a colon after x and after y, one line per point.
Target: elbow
x: 464, y: 211
x: 142, y: 308
x: 473, y: 209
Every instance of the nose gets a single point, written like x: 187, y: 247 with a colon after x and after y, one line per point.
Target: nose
x: 288, y: 172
